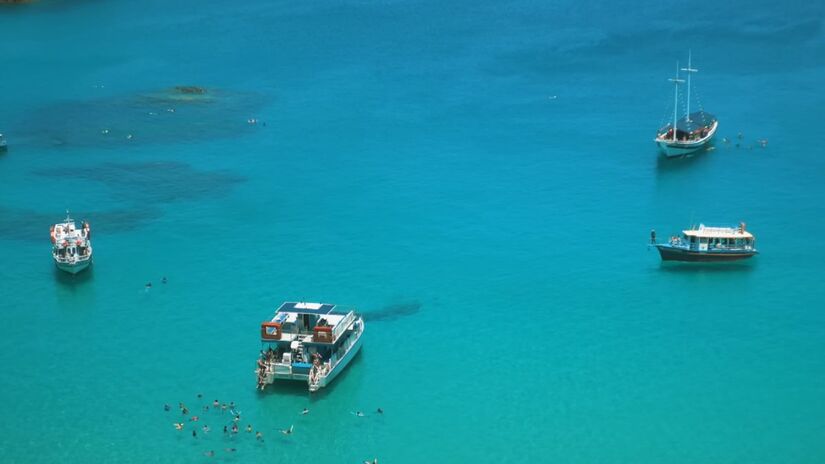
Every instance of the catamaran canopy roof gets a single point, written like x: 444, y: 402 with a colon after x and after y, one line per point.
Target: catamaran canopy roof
x: 718, y: 232
x: 320, y: 309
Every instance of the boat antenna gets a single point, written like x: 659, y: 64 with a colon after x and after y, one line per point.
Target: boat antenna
x: 676, y: 81
x: 689, y: 70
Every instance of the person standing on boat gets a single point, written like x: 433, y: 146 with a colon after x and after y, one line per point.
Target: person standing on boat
x: 653, y: 236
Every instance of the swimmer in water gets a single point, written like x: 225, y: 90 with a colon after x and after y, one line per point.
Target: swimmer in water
x: 249, y: 428
x: 166, y: 407
x: 194, y: 434
x: 209, y: 454
x: 288, y: 431
x: 259, y: 436
x: 305, y: 412
x: 199, y: 395
x: 215, y: 404
x: 194, y: 419
x: 163, y: 281
x: 225, y: 430
x: 205, y: 429
x: 358, y: 413
x: 234, y: 428
x: 379, y: 411
x: 147, y: 286
x: 178, y: 425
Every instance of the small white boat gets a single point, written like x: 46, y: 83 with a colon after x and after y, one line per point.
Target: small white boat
x: 691, y: 132
x: 309, y: 342
x: 71, y: 246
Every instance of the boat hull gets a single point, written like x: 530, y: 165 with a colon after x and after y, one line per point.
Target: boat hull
x: 669, y: 253
x: 342, y: 364
x: 674, y: 149
x: 74, y: 268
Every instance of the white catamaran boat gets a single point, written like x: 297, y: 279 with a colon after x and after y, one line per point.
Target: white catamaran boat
x: 692, y: 131
x: 310, y: 342
x: 71, y: 247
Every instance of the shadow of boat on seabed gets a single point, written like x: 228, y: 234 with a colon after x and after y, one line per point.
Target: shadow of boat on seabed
x: 392, y: 312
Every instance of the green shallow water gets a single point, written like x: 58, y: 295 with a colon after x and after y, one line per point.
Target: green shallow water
x: 411, y: 164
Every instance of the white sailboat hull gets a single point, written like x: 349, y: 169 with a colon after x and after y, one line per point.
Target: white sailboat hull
x: 675, y: 148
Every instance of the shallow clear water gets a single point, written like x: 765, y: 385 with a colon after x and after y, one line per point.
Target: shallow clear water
x: 412, y: 164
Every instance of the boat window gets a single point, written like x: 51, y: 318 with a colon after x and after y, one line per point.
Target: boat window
x: 692, y: 239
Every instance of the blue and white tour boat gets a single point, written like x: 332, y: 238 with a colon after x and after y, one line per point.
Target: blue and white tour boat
x: 708, y: 244
x: 309, y: 342
x: 691, y: 132
x: 71, y: 246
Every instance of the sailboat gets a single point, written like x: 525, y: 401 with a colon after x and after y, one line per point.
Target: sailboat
x: 692, y: 131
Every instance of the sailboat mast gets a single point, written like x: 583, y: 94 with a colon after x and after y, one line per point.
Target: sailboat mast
x: 689, y: 70
x: 676, y: 82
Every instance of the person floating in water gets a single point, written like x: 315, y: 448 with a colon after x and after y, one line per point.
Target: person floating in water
x: 194, y: 434
x: 358, y: 413
x: 178, y: 425
x: 249, y: 428
x: 305, y: 412
x: 209, y: 454
x: 379, y: 411
x: 215, y: 404
x: 166, y: 407
x: 288, y: 431
x: 163, y: 281
x: 148, y: 286
x: 259, y: 436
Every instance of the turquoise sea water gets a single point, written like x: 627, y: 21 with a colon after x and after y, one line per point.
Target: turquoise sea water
x: 413, y: 164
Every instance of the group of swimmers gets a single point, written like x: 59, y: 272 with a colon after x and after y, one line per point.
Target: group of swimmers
x: 233, y: 428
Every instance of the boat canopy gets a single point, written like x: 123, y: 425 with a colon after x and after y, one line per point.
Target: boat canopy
x: 696, y: 121
x: 719, y: 232
x: 318, y: 309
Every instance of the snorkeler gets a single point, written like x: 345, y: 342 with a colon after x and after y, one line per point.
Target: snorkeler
x: 178, y: 425
x: 305, y: 412
x: 379, y: 411
x: 249, y: 428
x: 358, y: 413
x: 259, y: 436
x: 166, y: 407
x: 288, y: 431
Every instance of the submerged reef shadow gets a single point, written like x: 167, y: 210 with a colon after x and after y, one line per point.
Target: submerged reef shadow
x: 152, y: 182
x: 33, y: 226
x: 179, y: 115
x: 392, y: 312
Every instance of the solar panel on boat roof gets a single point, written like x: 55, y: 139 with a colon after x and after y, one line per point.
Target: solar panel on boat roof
x: 307, y: 308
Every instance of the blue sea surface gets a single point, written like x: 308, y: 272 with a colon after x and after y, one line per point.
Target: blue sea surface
x: 478, y: 178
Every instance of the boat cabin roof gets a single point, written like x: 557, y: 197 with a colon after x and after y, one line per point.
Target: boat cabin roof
x: 696, y: 121
x: 317, y: 309
x: 289, y: 312
x: 718, y: 232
